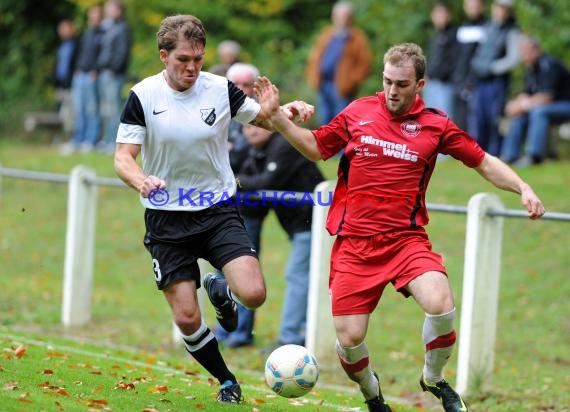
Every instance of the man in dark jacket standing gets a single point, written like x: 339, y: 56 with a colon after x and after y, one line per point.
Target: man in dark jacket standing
x: 438, y: 92
x: 469, y: 35
x: 112, y: 64
x: 496, y: 57
x: 274, y: 165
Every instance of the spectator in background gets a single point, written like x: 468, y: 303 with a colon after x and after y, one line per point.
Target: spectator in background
x: 496, y: 57
x: 228, y: 53
x: 438, y: 91
x: 544, y: 101
x: 112, y: 63
x: 84, y: 96
x: 469, y: 35
x: 273, y: 164
x: 63, y: 71
x: 339, y: 63
x: 243, y: 75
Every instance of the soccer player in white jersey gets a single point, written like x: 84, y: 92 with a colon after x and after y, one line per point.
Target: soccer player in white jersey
x: 178, y: 119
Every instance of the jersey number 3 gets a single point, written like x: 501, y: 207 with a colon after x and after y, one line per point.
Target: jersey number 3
x: 156, y: 270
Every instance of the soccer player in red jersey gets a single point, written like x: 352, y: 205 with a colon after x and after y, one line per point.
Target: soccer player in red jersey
x: 390, y: 142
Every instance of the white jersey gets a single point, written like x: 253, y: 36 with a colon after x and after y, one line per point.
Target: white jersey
x: 184, y: 138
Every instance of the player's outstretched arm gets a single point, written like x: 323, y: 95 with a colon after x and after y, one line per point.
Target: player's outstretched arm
x: 300, y: 138
x: 130, y: 172
x: 502, y: 176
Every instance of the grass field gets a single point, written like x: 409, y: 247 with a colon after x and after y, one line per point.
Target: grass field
x: 533, y: 332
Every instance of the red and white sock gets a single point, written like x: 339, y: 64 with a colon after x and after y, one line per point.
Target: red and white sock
x: 356, y: 364
x: 439, y: 338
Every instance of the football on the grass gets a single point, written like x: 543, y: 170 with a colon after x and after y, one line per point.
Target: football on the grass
x: 291, y: 371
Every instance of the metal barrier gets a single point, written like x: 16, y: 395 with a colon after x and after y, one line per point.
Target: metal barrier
x: 485, y: 215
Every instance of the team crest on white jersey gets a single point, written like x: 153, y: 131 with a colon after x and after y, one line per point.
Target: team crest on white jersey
x: 208, y: 115
x: 410, y: 128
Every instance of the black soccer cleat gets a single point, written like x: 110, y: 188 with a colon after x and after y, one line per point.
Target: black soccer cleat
x: 230, y: 394
x: 226, y: 309
x: 450, y: 399
x: 377, y: 404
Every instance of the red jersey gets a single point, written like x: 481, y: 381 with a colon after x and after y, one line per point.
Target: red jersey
x: 387, y: 164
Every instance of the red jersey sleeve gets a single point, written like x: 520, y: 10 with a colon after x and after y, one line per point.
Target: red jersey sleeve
x: 333, y: 137
x: 461, y: 146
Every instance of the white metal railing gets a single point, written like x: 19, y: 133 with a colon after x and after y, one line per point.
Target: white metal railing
x: 485, y: 215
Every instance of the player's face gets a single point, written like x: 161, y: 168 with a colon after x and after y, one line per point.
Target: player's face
x: 400, y: 87
x: 183, y: 64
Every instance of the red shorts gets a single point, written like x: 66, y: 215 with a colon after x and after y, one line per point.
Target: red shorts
x: 361, y: 267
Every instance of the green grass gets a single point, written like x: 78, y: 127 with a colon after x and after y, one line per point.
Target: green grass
x: 533, y: 330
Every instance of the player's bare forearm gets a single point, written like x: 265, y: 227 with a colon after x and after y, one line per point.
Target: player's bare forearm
x: 502, y: 176
x: 300, y: 138
x: 131, y: 173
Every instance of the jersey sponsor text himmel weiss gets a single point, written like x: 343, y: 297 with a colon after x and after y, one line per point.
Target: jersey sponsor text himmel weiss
x: 396, y: 150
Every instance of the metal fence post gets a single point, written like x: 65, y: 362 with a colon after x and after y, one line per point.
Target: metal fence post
x: 79, y: 247
x: 480, y: 293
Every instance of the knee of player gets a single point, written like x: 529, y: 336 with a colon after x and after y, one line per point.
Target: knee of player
x: 254, y: 297
x: 443, y: 303
x: 188, y: 322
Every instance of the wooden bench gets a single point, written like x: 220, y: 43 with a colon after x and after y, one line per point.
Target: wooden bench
x: 49, y: 120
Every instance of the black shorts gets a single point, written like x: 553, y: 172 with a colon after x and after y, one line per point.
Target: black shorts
x: 177, y: 239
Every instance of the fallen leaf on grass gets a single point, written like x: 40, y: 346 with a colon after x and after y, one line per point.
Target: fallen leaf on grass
x: 258, y: 401
x: 97, y: 402
x: 52, y: 354
x: 97, y: 388
x: 125, y: 386
x: 158, y: 389
x: 11, y: 386
x: 25, y: 397
x: 20, y: 351
x: 47, y: 372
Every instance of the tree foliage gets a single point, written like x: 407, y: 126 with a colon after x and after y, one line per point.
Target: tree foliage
x: 276, y: 35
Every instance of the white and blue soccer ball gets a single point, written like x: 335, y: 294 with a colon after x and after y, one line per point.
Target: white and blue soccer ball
x: 291, y: 371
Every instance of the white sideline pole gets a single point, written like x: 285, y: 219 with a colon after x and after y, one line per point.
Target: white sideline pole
x: 320, y: 335
x: 480, y: 292
x: 79, y: 247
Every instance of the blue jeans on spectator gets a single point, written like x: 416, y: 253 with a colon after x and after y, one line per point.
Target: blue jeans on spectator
x: 243, y: 335
x: 329, y: 102
x: 535, y: 126
x: 110, y: 89
x: 294, y: 314
x: 439, y: 95
x: 85, y: 100
x: 490, y: 98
